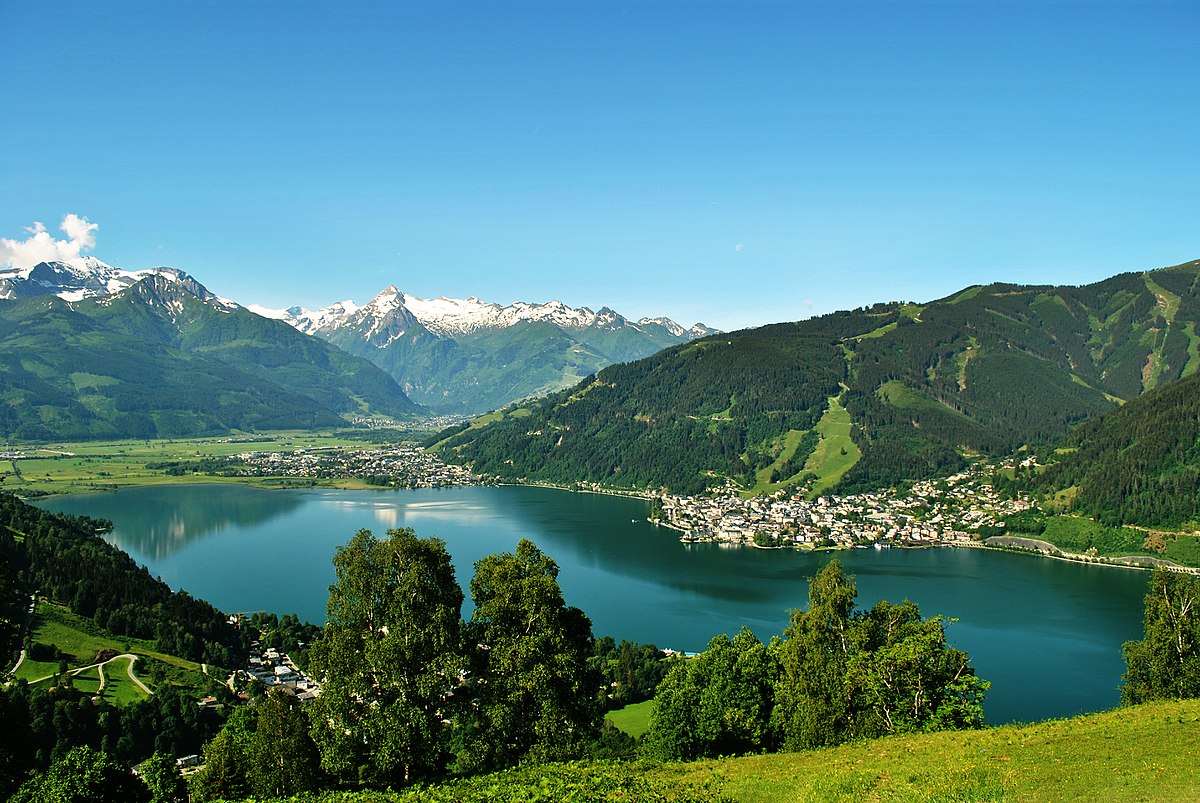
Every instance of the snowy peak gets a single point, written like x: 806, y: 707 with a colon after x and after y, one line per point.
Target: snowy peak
x: 456, y: 317
x: 666, y: 323
x: 88, y: 277
x: 169, y: 289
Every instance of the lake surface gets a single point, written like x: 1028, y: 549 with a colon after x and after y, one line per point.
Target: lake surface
x: 1046, y: 633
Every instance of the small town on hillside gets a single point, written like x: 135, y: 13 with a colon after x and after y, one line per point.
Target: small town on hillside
x: 949, y: 510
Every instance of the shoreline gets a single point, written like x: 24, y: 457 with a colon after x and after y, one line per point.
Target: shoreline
x: 1047, y: 549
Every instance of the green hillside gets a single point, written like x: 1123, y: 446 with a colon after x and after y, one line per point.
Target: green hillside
x: 159, y: 360
x: 1139, y: 464
x: 983, y: 371
x: 1141, y: 753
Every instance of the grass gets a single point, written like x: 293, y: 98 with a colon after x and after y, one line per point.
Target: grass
x: 880, y: 332
x: 80, y: 640
x: 1132, y: 754
x: 80, y: 467
x: 763, y: 484
x: 633, y: 719
x: 1193, y: 362
x: 118, y: 688
x: 1141, y: 753
x: 836, y: 452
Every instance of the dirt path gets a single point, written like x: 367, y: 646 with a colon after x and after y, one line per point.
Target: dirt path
x: 133, y: 677
x: 100, y: 669
x: 24, y: 629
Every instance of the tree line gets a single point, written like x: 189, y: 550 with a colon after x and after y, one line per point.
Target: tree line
x: 837, y: 674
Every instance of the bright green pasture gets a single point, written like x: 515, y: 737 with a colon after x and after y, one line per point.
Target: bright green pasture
x: 836, y: 452
x: 633, y: 719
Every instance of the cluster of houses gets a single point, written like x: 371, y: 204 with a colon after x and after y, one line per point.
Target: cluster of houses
x: 275, y: 670
x: 950, y: 510
x: 403, y: 466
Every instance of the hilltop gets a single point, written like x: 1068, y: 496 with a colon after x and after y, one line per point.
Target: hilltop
x: 859, y: 399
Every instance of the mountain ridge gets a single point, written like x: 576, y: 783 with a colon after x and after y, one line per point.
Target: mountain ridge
x: 455, y: 356
x: 164, y: 357
x: 468, y: 356
x: 982, y: 371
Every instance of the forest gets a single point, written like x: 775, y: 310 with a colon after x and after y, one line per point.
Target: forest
x: 985, y: 371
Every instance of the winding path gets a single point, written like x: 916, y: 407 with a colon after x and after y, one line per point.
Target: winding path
x: 100, y: 670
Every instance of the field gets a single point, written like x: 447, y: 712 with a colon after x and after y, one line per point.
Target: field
x: 80, y: 641
x: 1141, y: 753
x: 1133, y: 754
x: 836, y: 453
x: 63, y: 468
x: 633, y: 719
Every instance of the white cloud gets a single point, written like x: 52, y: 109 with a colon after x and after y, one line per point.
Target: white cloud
x: 39, y: 246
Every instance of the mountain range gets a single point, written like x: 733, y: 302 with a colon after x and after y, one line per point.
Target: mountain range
x: 185, y: 361
x: 919, y: 386
x: 467, y: 356
x: 163, y: 357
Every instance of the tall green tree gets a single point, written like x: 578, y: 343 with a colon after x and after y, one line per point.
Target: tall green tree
x: 283, y: 758
x: 813, y: 706
x: 535, y: 696
x: 1165, y: 664
x: 389, y: 660
x: 226, y: 761
x: 904, y: 677
x: 717, y: 703
x: 162, y: 776
x: 847, y: 674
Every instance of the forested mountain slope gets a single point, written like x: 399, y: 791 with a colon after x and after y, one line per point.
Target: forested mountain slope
x: 1139, y: 464
x: 165, y: 358
x: 985, y: 370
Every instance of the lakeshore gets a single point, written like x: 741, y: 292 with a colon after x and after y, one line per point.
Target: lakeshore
x: 248, y: 549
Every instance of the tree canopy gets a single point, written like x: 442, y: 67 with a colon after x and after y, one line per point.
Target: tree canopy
x: 1165, y: 664
x: 837, y: 674
x: 534, y: 691
x: 389, y: 660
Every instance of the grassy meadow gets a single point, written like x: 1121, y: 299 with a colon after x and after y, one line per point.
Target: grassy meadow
x: 82, y: 467
x: 80, y: 641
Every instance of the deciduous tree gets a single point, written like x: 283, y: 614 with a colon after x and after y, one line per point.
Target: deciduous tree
x: 389, y: 660
x: 534, y: 693
x: 1166, y: 663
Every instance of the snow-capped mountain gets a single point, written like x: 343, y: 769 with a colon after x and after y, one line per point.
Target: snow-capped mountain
x: 456, y: 317
x: 453, y: 355
x: 469, y: 355
x: 88, y: 277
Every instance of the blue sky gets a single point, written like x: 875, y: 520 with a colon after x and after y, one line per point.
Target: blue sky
x: 734, y: 163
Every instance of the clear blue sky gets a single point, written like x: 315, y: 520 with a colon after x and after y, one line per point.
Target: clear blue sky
x: 735, y: 163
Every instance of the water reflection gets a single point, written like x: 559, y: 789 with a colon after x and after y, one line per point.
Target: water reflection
x: 1047, y: 634
x: 156, y: 522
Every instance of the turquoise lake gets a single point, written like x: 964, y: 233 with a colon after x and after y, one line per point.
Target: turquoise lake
x: 1046, y: 633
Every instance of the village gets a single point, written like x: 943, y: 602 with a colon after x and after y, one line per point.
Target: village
x: 401, y: 466
x: 270, y: 669
x: 959, y: 509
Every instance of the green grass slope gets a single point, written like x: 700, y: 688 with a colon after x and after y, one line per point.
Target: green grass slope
x: 1143, y: 753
